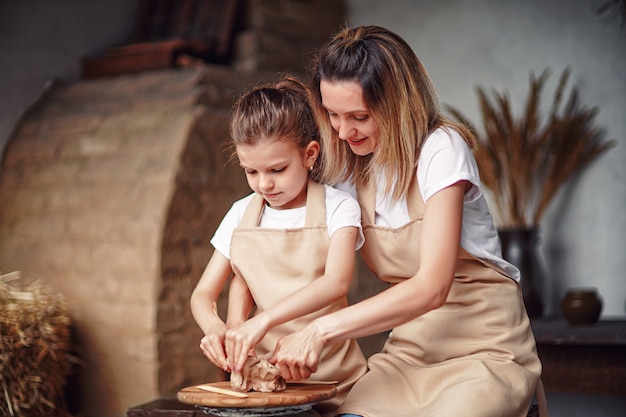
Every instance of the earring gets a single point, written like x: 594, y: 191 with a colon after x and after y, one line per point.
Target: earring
x: 311, y: 168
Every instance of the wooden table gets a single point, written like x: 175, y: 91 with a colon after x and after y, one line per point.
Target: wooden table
x: 164, y: 407
x: 192, y: 401
x: 582, y: 359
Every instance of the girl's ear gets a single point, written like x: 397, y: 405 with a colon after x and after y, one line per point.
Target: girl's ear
x: 311, y: 152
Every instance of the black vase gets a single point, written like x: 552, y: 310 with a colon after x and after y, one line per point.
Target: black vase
x: 519, y: 247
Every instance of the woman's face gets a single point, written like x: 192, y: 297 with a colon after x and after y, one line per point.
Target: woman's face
x: 349, y: 115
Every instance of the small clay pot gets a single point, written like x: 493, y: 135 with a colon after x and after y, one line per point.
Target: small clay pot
x: 581, y: 306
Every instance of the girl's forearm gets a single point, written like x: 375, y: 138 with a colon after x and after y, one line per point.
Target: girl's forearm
x: 204, y: 311
x: 240, y: 302
x: 204, y: 297
x: 316, y: 295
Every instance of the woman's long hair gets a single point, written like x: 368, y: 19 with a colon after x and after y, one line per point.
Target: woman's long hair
x: 399, y: 96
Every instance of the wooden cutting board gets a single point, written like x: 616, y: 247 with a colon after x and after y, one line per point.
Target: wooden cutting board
x: 295, y: 394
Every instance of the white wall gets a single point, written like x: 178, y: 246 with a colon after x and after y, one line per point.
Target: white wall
x: 496, y: 44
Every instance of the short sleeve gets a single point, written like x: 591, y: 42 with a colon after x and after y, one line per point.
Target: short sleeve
x: 224, y: 232
x: 343, y: 210
x: 444, y: 160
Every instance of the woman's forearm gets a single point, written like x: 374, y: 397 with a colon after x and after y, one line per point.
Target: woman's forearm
x: 384, y: 311
x: 425, y: 291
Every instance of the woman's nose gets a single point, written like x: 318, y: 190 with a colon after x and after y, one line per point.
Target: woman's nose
x: 345, y: 130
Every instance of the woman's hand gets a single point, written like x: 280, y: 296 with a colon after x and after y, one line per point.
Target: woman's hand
x: 298, y: 354
x: 241, y: 340
x: 212, y: 345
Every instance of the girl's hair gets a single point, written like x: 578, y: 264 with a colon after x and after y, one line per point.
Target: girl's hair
x: 401, y: 100
x: 279, y: 111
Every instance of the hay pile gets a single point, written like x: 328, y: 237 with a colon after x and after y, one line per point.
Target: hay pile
x: 34, y: 350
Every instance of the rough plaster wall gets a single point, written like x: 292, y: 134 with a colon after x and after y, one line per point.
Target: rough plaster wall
x: 496, y: 44
x: 85, y: 186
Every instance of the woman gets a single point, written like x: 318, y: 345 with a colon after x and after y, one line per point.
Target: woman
x: 461, y: 342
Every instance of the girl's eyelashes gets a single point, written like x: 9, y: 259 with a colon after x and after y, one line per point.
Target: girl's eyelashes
x: 273, y: 170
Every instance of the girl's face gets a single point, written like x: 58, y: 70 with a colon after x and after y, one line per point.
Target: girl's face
x: 278, y: 170
x: 349, y: 115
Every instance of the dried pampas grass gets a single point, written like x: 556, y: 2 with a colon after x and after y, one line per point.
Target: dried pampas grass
x: 525, y: 160
x: 35, y: 354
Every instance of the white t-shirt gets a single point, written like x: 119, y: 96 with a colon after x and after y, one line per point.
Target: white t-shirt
x: 444, y: 160
x: 342, y: 210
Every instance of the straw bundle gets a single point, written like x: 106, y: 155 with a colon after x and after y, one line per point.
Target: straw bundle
x: 34, y: 350
x: 526, y: 160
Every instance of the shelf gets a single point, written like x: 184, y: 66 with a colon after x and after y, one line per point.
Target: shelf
x: 582, y: 359
x: 557, y: 331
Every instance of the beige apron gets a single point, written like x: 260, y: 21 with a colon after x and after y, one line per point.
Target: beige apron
x: 277, y: 262
x: 474, y: 356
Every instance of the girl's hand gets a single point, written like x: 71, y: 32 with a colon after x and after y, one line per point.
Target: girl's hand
x: 298, y: 354
x: 241, y: 340
x: 212, y: 346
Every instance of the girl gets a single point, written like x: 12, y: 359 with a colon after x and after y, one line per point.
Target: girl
x: 461, y: 343
x: 290, y: 245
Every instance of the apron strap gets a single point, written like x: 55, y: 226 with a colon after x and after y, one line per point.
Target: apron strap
x: 415, y: 202
x: 367, y: 199
x: 315, y: 207
x: 252, y: 215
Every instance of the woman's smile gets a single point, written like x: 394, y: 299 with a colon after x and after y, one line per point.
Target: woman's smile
x: 356, y: 142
